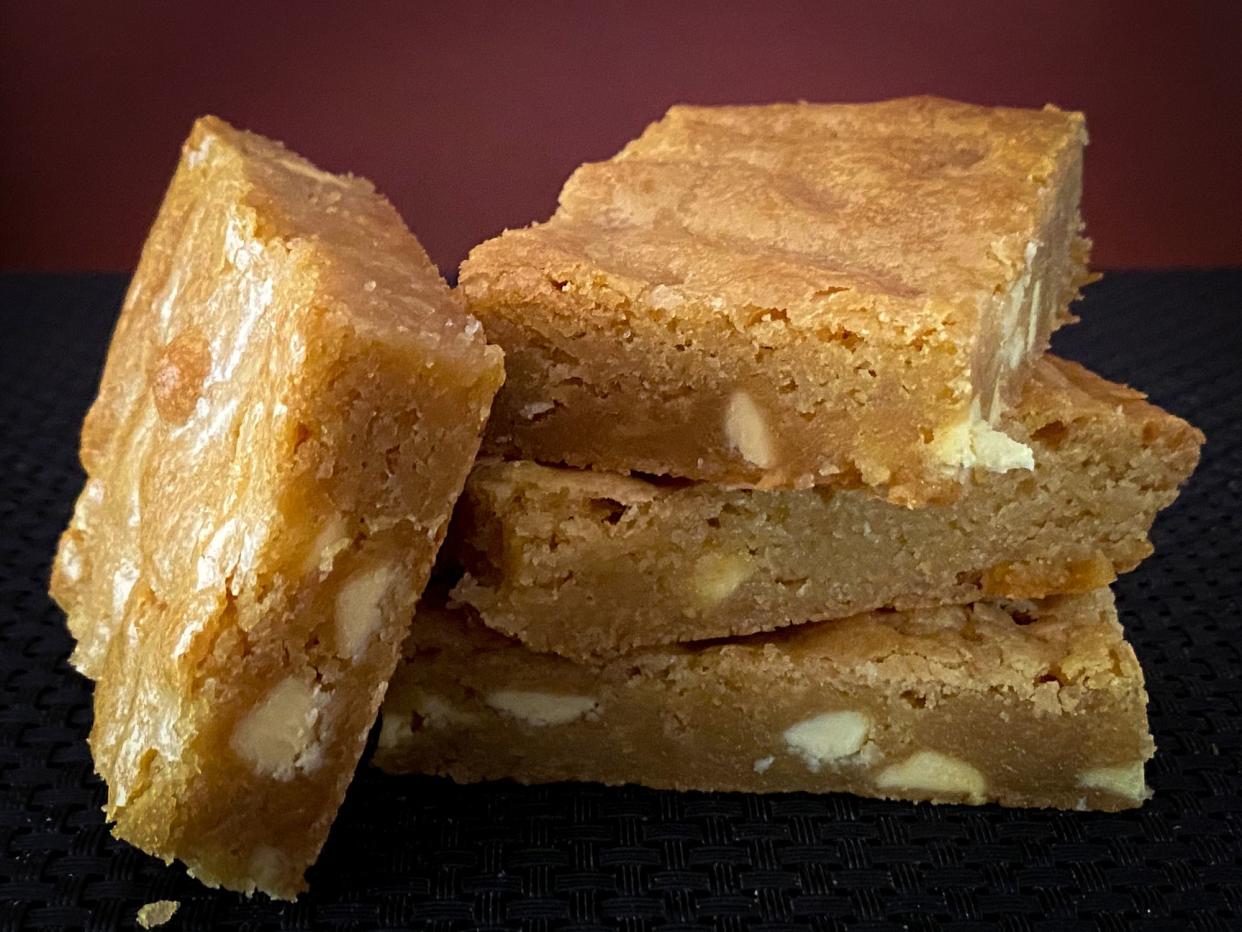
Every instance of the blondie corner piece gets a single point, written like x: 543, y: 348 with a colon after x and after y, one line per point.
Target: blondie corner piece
x: 1039, y: 704
x: 291, y: 403
x: 791, y: 295
x: 584, y: 563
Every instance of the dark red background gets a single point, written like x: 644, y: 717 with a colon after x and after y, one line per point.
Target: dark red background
x: 469, y: 116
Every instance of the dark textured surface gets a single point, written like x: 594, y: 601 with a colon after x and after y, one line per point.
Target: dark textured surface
x: 424, y: 853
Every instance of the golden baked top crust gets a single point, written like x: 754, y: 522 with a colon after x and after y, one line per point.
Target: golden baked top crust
x: 908, y: 213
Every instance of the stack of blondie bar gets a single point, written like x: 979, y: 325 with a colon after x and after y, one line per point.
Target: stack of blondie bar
x: 786, y: 493
x: 781, y: 490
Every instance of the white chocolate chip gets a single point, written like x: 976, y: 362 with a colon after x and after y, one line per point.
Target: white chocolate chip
x: 934, y: 773
x: 393, y: 728
x: 975, y: 442
x: 1123, y: 780
x: 952, y: 445
x: 278, y: 736
x: 747, y: 431
x: 763, y: 763
x: 358, y: 608
x: 440, y: 713
x: 536, y: 408
x: 539, y: 708
x: 717, y: 576
x: 828, y: 737
x: 998, y: 452
x: 331, y: 540
x: 1013, y: 325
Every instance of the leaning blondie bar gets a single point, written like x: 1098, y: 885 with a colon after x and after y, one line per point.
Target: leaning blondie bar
x: 290, y: 406
x: 791, y: 295
x: 583, y: 563
x: 1038, y: 704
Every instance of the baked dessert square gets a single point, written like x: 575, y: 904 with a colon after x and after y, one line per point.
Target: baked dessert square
x: 1022, y: 704
x: 585, y: 563
x: 791, y: 295
x: 291, y: 403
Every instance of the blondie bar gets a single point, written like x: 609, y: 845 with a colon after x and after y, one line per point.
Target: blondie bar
x: 791, y: 295
x: 1038, y: 704
x: 584, y: 563
x: 291, y: 403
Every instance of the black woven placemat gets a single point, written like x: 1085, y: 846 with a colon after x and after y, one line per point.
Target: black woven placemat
x: 424, y: 853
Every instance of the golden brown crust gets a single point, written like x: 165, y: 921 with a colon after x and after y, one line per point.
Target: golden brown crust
x: 819, y: 210
x: 290, y: 405
x: 862, y: 275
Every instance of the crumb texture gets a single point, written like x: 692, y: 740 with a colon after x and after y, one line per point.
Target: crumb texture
x: 584, y: 563
x: 1039, y: 703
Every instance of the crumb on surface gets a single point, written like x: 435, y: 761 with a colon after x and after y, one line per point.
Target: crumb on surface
x: 157, y: 913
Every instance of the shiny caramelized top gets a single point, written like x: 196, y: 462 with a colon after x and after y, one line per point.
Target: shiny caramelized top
x: 823, y: 211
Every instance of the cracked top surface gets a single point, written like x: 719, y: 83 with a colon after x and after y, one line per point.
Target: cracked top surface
x: 911, y: 212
